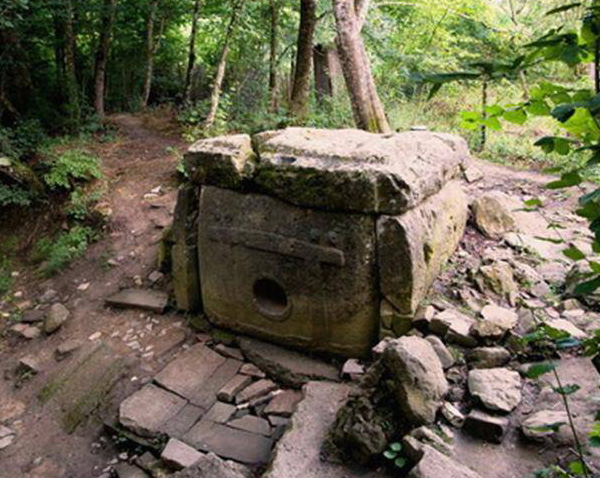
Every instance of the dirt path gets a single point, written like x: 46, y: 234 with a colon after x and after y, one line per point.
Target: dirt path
x: 140, y: 160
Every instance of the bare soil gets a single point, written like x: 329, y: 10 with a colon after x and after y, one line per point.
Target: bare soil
x: 143, y: 157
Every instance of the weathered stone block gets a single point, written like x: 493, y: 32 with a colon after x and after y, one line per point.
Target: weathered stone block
x: 352, y: 170
x: 295, y: 276
x: 184, y: 252
x: 414, y: 247
x: 224, y: 161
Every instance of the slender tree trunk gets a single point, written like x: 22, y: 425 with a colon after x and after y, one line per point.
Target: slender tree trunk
x: 108, y: 16
x: 274, y: 47
x: 366, y: 105
x: 306, y: 33
x: 597, y: 66
x: 484, y: 100
x: 215, y: 95
x: 150, y: 50
x: 72, y: 94
x: 187, y: 95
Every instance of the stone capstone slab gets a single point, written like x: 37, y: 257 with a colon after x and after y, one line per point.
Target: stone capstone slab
x: 153, y: 300
x: 224, y: 161
x: 352, y: 170
x: 498, y: 389
x: 418, y: 378
x: 303, y: 278
x: 287, y: 366
x: 413, y: 247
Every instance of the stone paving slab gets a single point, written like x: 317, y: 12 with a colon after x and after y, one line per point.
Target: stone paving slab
x: 149, y: 409
x: 153, y: 300
x: 188, y: 372
x: 227, y: 442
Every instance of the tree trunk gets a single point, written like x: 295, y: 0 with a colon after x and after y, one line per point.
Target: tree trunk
x: 484, y: 100
x: 323, y: 83
x: 274, y: 46
x: 108, y: 16
x: 150, y: 50
x: 220, y: 74
x: 306, y: 33
x: 71, y: 91
x: 366, y: 105
x: 187, y: 95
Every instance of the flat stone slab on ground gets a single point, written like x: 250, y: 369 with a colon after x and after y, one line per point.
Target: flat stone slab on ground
x: 178, y: 455
x: 252, y: 424
x: 284, y: 404
x: 231, y: 443
x: 291, y: 368
x: 198, y: 374
x: 153, y: 300
x: 298, y: 453
x: 147, y: 411
x: 498, y: 389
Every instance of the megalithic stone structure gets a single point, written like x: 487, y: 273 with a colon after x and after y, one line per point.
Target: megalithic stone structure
x: 324, y: 240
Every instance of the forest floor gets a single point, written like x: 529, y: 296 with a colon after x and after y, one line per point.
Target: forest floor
x: 120, y: 349
x: 143, y: 158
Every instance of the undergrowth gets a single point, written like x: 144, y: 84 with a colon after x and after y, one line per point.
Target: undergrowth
x: 56, y: 253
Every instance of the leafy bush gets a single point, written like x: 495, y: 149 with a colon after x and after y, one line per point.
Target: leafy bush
x: 56, y: 254
x: 69, y: 166
x: 80, y: 202
x: 15, y: 196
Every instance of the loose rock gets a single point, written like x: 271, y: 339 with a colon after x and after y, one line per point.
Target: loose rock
x: 544, y: 423
x: 499, y: 389
x: 178, y: 455
x: 487, y: 427
x: 419, y: 382
x: 55, y: 318
x: 488, y: 357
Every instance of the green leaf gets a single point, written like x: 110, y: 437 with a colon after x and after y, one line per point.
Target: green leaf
x: 400, y: 462
x: 390, y: 455
x: 573, y: 253
x: 535, y: 202
x: 577, y: 467
x: 563, y: 8
x: 567, y: 343
x: 595, y: 266
x: 538, y: 108
x: 539, y: 369
x: 550, y: 239
x: 515, y: 116
x: 567, y: 180
x: 567, y: 389
x: 396, y: 447
x: 563, y: 112
x: 587, y: 287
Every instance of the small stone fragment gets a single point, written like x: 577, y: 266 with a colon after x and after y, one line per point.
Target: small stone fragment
x: 283, y: 404
x: 33, y: 316
x: 487, y: 427
x: 256, y: 390
x: 153, y: 300
x: 177, y: 455
x: 125, y: 470
x: 57, y: 315
x: 544, y: 423
x: 67, y: 348
x: 28, y: 332
x: 441, y: 350
x: 453, y: 415
x: 233, y: 387
x: 252, y: 370
x: 454, y: 326
x: 500, y: 320
x: 493, y: 214
x: 155, y: 277
x: 29, y: 364
x: 566, y: 326
x: 7, y: 437
x: 488, y: 357
x: 499, y: 389
x: 352, y: 370
x: 423, y: 317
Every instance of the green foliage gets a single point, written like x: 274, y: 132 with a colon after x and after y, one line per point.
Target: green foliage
x: 393, y: 454
x: 14, y: 195
x: 80, y: 202
x: 65, y: 168
x: 54, y: 255
x: 5, y: 276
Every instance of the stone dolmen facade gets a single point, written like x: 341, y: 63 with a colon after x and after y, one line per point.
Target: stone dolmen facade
x: 321, y: 239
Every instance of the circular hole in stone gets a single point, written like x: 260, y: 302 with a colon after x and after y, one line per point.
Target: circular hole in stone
x: 271, y: 298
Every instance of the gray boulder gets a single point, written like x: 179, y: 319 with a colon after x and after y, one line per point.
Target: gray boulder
x: 419, y: 383
x: 498, y: 389
x: 55, y: 318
